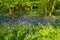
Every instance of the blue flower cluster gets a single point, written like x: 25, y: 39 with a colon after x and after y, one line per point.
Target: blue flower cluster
x: 27, y: 20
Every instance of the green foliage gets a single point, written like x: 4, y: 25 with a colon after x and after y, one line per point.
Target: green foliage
x: 44, y: 6
x: 19, y: 32
x: 57, y: 4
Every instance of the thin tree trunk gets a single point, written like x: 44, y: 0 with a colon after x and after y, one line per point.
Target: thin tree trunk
x: 11, y: 12
x: 50, y: 14
x: 26, y: 10
x: 20, y: 8
x: 31, y: 10
x: 45, y: 17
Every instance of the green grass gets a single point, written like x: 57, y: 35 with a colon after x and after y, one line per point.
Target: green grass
x: 19, y: 32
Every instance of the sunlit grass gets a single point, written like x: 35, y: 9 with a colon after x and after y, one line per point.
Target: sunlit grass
x: 20, y: 32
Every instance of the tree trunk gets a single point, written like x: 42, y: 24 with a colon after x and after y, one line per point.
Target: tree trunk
x: 52, y: 8
x: 26, y: 10
x: 20, y: 9
x: 11, y: 12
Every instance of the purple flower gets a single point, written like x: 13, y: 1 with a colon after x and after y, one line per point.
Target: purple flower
x: 5, y: 20
x: 0, y: 19
x: 22, y: 23
x: 28, y: 20
x: 9, y: 20
x: 24, y: 17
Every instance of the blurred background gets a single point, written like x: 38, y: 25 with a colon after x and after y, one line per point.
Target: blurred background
x: 29, y: 19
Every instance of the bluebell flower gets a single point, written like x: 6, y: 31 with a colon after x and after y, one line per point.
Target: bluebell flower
x: 22, y: 23
x: 13, y: 22
x: 0, y: 19
x: 5, y: 20
x: 20, y: 18
x: 28, y: 20
x: 42, y: 19
x: 24, y: 17
x: 9, y: 20
x: 19, y: 21
x: 33, y: 23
